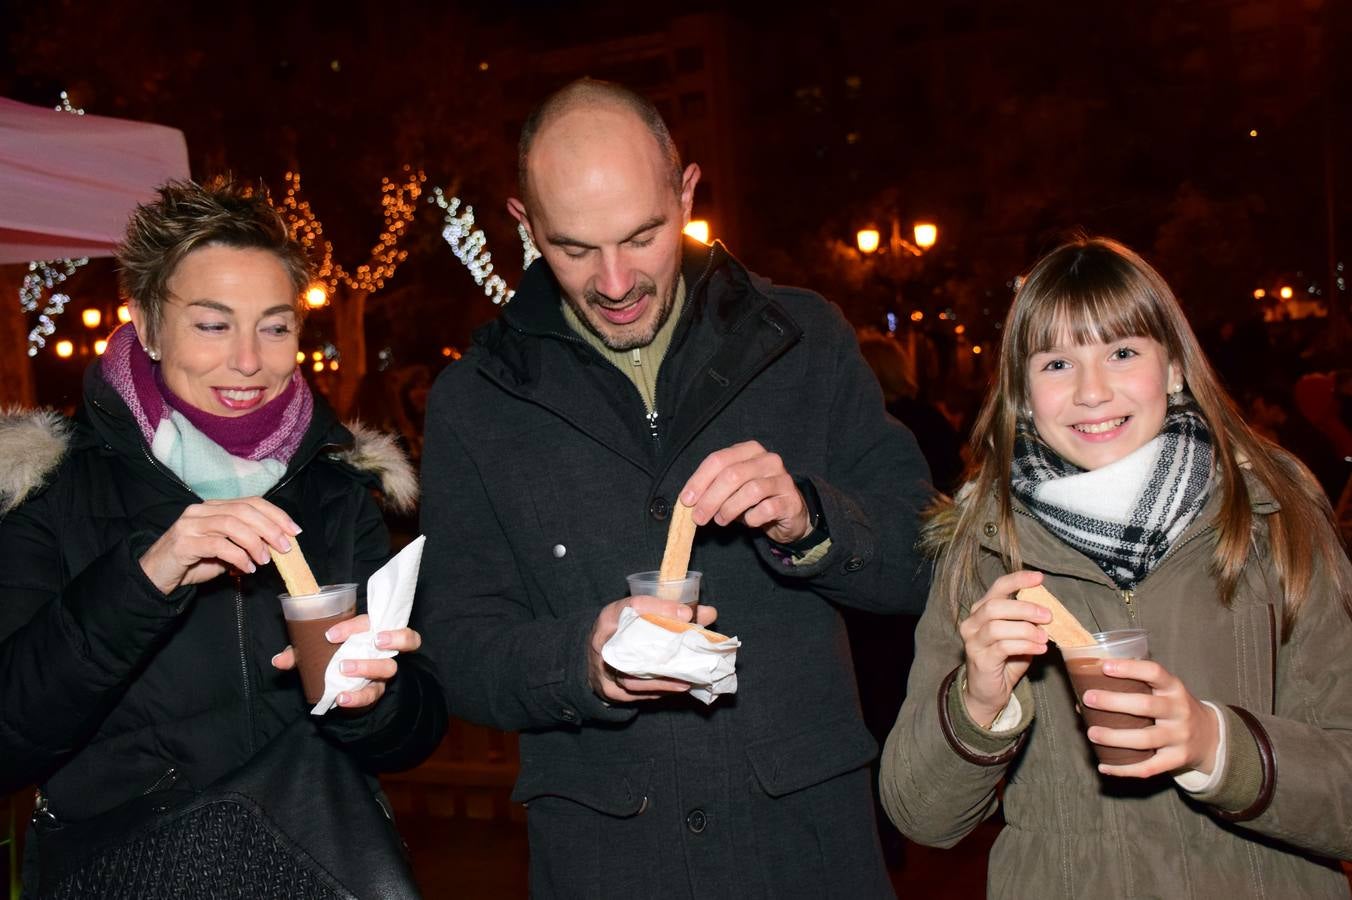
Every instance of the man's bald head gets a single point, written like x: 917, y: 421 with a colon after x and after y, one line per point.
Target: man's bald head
x: 589, y: 93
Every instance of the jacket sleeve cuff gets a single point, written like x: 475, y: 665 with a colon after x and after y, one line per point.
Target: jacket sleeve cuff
x: 1246, y: 785
x: 850, y: 543
x: 576, y: 701
x: 972, y: 741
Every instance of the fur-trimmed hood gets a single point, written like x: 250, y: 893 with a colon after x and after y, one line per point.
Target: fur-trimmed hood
x: 33, y: 443
x: 377, y: 453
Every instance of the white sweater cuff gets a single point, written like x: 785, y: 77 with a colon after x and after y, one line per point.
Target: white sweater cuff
x: 1009, y: 717
x: 1195, y: 782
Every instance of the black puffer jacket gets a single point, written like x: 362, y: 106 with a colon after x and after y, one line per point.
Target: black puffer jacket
x: 108, y: 688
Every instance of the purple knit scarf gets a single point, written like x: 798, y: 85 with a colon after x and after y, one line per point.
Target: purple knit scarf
x: 273, y: 431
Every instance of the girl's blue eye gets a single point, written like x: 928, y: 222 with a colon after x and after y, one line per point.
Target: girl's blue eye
x: 1124, y: 353
x: 1055, y: 365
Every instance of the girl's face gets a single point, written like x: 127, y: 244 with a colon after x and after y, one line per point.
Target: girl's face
x: 1095, y: 403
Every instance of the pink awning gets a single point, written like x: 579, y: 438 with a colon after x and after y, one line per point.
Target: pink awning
x: 68, y: 183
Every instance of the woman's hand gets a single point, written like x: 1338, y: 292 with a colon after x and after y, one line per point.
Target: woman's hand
x: 404, y: 640
x: 999, y: 638
x: 1185, y: 734
x: 212, y: 536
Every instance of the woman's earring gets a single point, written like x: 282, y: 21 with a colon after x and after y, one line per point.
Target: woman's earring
x: 153, y: 354
x: 1177, y: 388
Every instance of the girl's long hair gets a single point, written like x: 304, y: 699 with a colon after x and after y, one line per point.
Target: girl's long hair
x: 1095, y: 289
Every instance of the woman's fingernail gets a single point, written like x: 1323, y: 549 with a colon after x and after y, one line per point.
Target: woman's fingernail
x: 294, y: 528
x: 331, y: 635
x: 252, y: 568
x: 348, y: 667
x: 343, y: 699
x: 688, y: 498
x: 383, y: 639
x: 286, y: 544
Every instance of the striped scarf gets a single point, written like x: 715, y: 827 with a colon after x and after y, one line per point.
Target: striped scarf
x: 1126, y: 515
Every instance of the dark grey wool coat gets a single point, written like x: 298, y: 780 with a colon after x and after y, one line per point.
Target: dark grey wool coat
x: 544, y: 486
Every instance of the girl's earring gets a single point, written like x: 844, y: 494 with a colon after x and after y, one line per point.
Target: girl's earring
x: 153, y: 354
x: 1177, y: 388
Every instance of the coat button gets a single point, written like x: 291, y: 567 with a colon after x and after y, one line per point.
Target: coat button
x: 560, y: 551
x: 854, y: 564
x: 567, y: 715
x: 989, y: 529
x: 696, y: 821
x: 659, y: 509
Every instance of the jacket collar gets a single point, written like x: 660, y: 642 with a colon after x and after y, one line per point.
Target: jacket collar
x: 530, y: 352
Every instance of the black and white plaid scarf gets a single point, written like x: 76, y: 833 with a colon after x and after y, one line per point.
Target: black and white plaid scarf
x: 1125, y: 515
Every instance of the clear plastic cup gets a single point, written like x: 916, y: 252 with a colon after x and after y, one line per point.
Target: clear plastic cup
x: 1084, y: 665
x: 307, y: 618
x: 649, y: 584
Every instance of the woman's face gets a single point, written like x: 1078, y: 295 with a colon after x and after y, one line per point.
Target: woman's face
x: 228, y: 335
x: 1095, y: 403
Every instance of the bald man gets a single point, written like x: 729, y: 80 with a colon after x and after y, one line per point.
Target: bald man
x: 635, y: 369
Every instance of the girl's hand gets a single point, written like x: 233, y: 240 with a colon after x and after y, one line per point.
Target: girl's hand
x: 1185, y: 734
x: 404, y: 640
x: 209, y: 537
x: 999, y: 639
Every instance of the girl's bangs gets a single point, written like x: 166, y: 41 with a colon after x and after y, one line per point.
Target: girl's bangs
x: 1090, y: 316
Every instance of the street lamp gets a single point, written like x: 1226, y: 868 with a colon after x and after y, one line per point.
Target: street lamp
x: 64, y: 349
x: 869, y: 240
x: 316, y: 296
x: 123, y: 314
x: 697, y: 229
x: 91, y: 317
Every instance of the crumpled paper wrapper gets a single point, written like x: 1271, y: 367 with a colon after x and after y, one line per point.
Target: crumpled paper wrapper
x: 389, y: 601
x: 642, y: 649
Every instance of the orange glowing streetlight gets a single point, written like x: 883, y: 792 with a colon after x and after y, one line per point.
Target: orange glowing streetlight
x: 99, y: 346
x: 1259, y: 294
x: 1286, y: 293
x: 697, y: 229
x: 867, y: 240
x: 91, y: 317
x: 64, y: 349
x: 123, y: 314
x: 926, y: 233
x: 316, y: 296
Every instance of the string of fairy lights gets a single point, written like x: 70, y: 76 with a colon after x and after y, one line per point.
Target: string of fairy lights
x: 398, y: 203
x: 470, y: 246
x: 42, y: 278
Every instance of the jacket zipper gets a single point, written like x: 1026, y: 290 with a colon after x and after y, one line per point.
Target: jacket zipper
x: 244, y: 663
x: 650, y: 415
x: 1127, y: 597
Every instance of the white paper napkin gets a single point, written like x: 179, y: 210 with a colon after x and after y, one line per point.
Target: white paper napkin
x: 389, y: 600
x: 642, y: 649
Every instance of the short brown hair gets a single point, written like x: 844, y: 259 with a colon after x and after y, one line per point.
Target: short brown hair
x: 188, y: 216
x: 590, y: 91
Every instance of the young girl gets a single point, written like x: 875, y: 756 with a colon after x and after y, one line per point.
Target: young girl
x: 1112, y: 468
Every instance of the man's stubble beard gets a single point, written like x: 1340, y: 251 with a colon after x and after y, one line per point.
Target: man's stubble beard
x: 583, y: 313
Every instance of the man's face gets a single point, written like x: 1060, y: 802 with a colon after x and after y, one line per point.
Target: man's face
x: 607, y: 219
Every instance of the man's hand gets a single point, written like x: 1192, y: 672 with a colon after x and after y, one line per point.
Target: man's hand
x: 617, y: 687
x: 747, y: 482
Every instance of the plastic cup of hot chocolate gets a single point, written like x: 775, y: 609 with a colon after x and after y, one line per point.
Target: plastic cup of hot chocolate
x: 307, y: 619
x: 1084, y: 665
